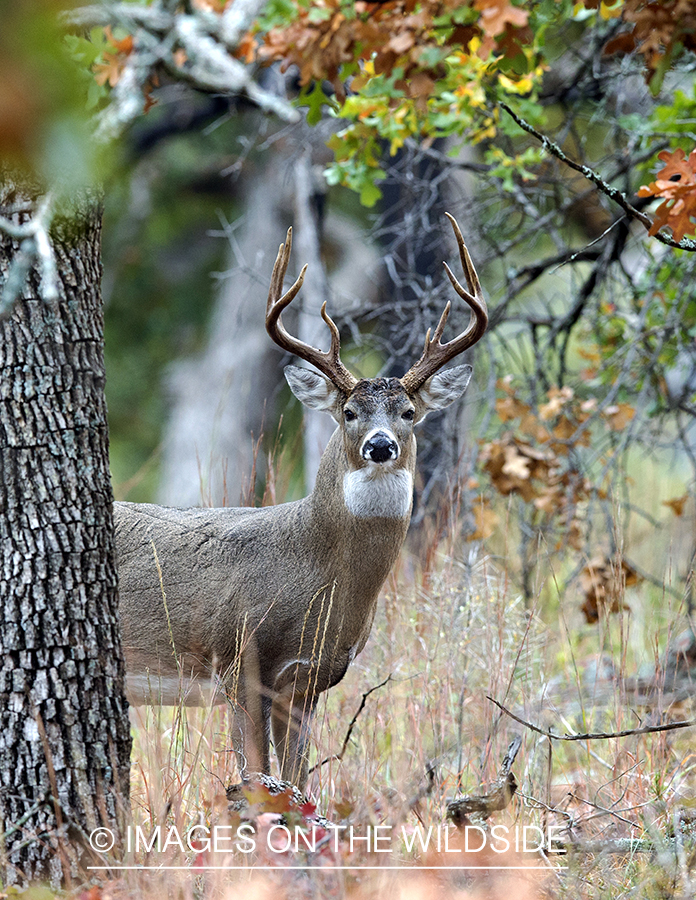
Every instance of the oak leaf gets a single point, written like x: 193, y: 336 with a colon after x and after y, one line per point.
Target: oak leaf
x: 511, y: 408
x: 558, y: 397
x: 516, y: 465
x: 497, y: 14
x: 619, y: 415
x: 603, y: 581
x: 111, y: 69
x: 676, y: 185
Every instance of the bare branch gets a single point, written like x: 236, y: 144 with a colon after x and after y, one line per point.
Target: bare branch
x: 129, y: 15
x: 613, y: 193
x: 594, y: 736
x: 346, y: 739
x: 207, y: 40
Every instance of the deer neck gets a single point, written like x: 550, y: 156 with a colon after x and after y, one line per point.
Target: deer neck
x: 362, y: 515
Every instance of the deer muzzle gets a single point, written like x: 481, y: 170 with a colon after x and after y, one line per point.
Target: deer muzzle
x: 380, y: 446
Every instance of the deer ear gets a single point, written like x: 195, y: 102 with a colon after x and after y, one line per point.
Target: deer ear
x: 442, y: 389
x: 313, y: 390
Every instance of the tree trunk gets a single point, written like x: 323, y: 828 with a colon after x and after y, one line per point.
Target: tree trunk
x: 311, y: 328
x: 64, y: 730
x: 219, y: 397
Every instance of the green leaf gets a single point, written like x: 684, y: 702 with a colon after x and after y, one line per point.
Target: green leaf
x: 370, y: 194
x: 314, y: 98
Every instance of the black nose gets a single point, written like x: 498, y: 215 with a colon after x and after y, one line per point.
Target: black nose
x: 380, y: 448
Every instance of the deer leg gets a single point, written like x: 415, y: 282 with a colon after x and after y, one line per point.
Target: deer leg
x: 291, y: 719
x: 251, y: 733
x: 251, y: 705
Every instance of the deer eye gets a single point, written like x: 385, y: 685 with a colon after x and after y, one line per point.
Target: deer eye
x: 408, y: 415
x: 349, y: 415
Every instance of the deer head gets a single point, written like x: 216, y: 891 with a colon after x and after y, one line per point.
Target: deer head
x: 377, y: 415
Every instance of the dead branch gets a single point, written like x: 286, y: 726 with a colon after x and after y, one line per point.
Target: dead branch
x: 346, y: 739
x: 613, y: 193
x: 35, y: 247
x: 594, y: 736
x: 207, y: 41
x: 484, y: 805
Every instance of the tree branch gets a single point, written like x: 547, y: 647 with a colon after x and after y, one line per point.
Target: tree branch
x: 346, y: 739
x: 594, y: 736
x: 208, y: 41
x: 613, y: 193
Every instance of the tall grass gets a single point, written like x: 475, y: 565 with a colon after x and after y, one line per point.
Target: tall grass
x: 443, y: 641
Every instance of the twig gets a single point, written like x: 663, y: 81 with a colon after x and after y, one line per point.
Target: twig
x: 613, y: 193
x: 25, y: 818
x: 346, y: 739
x: 594, y: 736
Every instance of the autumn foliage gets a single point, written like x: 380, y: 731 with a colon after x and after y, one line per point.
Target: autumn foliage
x: 412, y: 37
x: 538, y: 460
x: 657, y: 29
x: 676, y: 186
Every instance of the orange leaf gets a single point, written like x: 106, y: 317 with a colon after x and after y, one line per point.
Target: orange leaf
x: 676, y: 504
x: 496, y: 14
x: 124, y: 46
x: 676, y: 184
x: 619, y: 415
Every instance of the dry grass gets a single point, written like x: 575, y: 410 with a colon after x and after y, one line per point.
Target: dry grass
x: 448, y: 638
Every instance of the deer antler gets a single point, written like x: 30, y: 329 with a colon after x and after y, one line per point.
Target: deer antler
x: 435, y: 354
x: 328, y: 362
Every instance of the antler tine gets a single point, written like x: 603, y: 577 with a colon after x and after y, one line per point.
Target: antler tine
x: 328, y: 362
x: 436, y: 354
x: 469, y: 270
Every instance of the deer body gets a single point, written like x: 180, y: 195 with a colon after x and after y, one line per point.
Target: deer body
x: 268, y: 607
x: 216, y: 586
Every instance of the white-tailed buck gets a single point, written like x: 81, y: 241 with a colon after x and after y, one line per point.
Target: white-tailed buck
x: 268, y: 607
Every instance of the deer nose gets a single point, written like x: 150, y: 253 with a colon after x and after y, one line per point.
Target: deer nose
x: 379, y: 447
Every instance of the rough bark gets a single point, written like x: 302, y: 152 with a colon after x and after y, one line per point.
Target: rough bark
x: 416, y: 240
x: 64, y: 731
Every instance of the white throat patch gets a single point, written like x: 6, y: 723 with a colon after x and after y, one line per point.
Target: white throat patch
x: 372, y: 492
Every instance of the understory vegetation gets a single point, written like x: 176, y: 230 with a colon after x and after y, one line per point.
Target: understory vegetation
x: 413, y: 726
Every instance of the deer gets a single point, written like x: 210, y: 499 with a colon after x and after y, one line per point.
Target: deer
x: 267, y: 607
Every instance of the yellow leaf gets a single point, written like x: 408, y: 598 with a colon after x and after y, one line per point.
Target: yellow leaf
x: 610, y: 10
x: 523, y: 86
